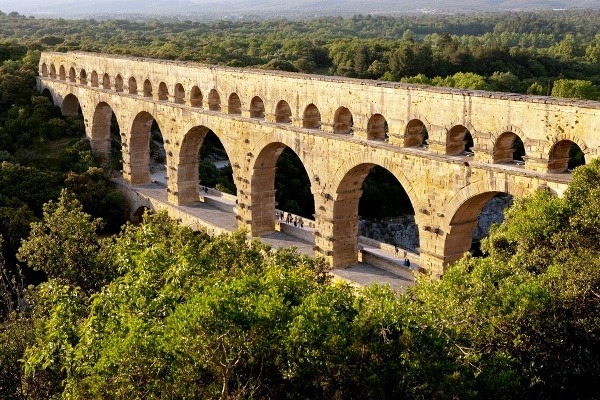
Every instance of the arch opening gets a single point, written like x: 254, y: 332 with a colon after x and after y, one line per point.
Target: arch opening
x: 147, y: 88
x: 72, y: 75
x: 44, y: 70
x: 509, y: 148
x: 71, y: 106
x: 119, y: 83
x: 343, y: 121
x: 94, y: 79
x: 83, y: 77
x: 163, y: 92
x: 415, y: 134
x: 214, y: 100
x: 565, y: 155
x: 179, y: 94
x: 311, y: 119
x: 132, y: 86
x: 459, y: 141
x: 196, y: 97
x: 257, y: 108
x: 377, y: 128
x: 105, y: 81
x: 106, y: 135
x: 234, y: 104
x: 146, y: 151
x: 283, y: 112
x: 62, y: 75
x: 52, y: 71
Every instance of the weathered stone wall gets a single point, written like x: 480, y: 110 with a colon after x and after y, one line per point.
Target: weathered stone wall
x: 447, y: 191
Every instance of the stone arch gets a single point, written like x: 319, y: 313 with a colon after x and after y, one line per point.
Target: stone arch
x: 377, y: 127
x: 106, y: 81
x: 179, y: 94
x: 214, y: 100
x: 139, y: 212
x: 257, y: 108
x: 163, y: 91
x: 508, y: 147
x: 70, y: 105
x: 458, y: 139
x: 343, y: 121
x: 196, y: 97
x: 94, y: 79
x: 234, y: 104
x: 72, y: 75
x: 83, y: 77
x: 147, y: 88
x: 44, y: 70
x: 52, y: 71
x: 139, y: 148
x: 560, y: 156
x: 119, y: 83
x: 262, y: 184
x: 62, y: 75
x: 46, y: 93
x: 100, y: 129
x: 132, y: 86
x: 283, y: 112
x: 311, y: 118
x: 347, y: 184
x: 415, y: 133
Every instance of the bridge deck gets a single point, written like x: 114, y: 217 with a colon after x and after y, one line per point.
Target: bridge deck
x: 220, y: 220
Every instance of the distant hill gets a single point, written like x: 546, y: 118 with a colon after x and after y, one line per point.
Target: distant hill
x: 269, y: 8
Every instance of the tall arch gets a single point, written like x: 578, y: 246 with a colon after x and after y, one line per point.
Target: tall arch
x: 72, y: 75
x: 163, y: 91
x: 257, y: 108
x: 565, y: 155
x: 342, y: 121
x: 70, y: 106
x: 94, y: 79
x: 458, y: 140
x: 283, y: 112
x: 196, y: 97
x: 44, y: 70
x: 119, y: 83
x: 132, y: 86
x: 179, y: 94
x: 52, y: 71
x: 234, y: 104
x: 147, y: 88
x: 311, y: 118
x: 508, y: 148
x: 377, y: 127
x: 83, y: 77
x: 214, y: 100
x: 139, y: 148
x: 62, y: 75
x: 415, y: 133
x: 106, y: 81
x: 100, y: 132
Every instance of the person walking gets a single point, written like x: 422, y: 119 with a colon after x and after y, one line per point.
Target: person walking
x: 406, y: 262
x: 397, y: 251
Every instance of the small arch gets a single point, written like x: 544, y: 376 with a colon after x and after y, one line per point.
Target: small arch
x: 47, y: 94
x: 132, y: 86
x: 106, y: 81
x: 119, y: 83
x: 196, y: 97
x: 415, y: 133
x: 138, y: 215
x: 62, y: 75
x: 214, y: 100
x: 311, y: 119
x: 234, y: 104
x: 257, y: 108
x: 101, y: 123
x: 83, y: 77
x: 52, y: 71
x: 458, y: 140
x: 343, y: 121
x: 283, y: 112
x: 163, y: 91
x: 377, y: 128
x: 565, y: 155
x: 179, y: 94
x: 94, y: 79
x: 44, y: 70
x: 70, y: 106
x: 72, y: 75
x: 147, y: 88
x: 508, y: 148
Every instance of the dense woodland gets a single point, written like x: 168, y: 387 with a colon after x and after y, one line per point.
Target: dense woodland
x: 92, y: 308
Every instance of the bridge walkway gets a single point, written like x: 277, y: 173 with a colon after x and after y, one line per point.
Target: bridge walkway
x: 216, y: 215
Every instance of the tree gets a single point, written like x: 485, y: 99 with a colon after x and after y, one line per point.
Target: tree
x: 575, y: 89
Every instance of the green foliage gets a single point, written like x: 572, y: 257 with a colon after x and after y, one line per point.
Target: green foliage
x: 292, y: 185
x: 576, y: 89
x: 383, y: 196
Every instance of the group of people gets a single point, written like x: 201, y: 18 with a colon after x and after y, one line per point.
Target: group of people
x: 406, y: 262
x: 290, y: 219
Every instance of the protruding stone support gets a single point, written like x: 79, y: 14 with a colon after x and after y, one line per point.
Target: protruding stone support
x: 100, y: 146
x: 261, y: 212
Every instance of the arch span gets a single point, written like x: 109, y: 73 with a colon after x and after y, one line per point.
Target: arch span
x: 196, y: 97
x: 566, y: 155
x: 83, y: 77
x: 119, y: 83
x: 257, y: 108
x: 415, y: 133
x: 377, y: 127
x: 508, y: 148
x: 311, y: 119
x: 72, y: 75
x: 283, y: 112
x: 138, y: 149
x: 234, y: 104
x: 132, y: 86
x: 214, y: 100
x: 343, y: 121
x: 70, y: 105
x: 100, y: 130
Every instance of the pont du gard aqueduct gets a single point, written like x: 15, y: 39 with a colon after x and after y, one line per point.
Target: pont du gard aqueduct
x: 339, y: 128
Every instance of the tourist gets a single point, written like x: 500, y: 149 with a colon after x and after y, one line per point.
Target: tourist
x: 406, y: 262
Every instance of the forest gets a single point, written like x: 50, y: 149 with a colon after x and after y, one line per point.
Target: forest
x: 94, y: 307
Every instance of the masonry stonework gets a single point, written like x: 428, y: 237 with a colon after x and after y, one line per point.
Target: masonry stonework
x: 339, y: 128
